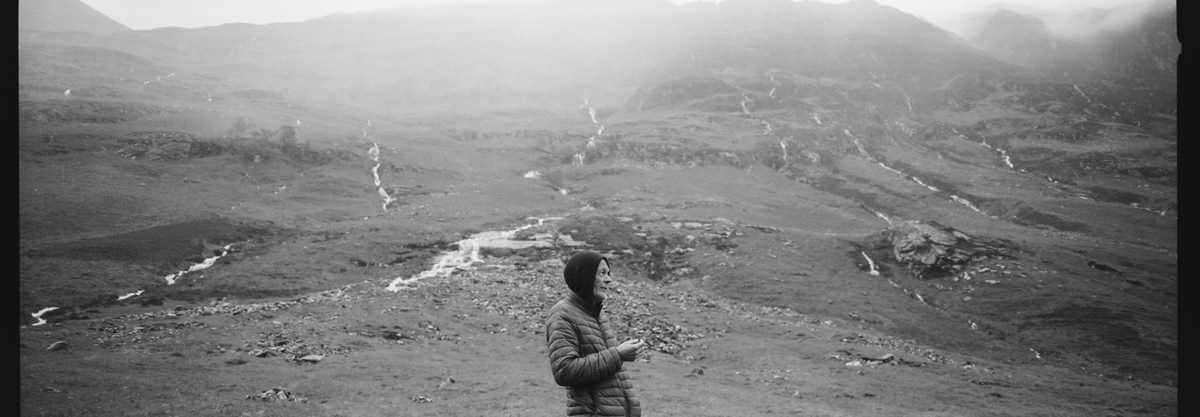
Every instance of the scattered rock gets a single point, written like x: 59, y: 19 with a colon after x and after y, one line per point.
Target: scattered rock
x: 1102, y: 267
x: 421, y: 399
x: 59, y: 345
x: 236, y: 361
x: 882, y: 359
x: 311, y: 358
x: 260, y: 353
x: 276, y: 394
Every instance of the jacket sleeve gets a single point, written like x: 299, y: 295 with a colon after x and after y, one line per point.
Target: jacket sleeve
x: 568, y: 367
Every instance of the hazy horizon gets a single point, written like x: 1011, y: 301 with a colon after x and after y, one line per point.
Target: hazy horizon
x: 1060, y: 15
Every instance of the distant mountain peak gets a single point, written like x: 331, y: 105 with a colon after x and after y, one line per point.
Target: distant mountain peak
x: 64, y: 16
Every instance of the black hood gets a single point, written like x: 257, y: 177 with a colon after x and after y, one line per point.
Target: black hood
x: 580, y: 274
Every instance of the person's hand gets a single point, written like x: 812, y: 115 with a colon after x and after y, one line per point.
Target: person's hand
x: 630, y: 349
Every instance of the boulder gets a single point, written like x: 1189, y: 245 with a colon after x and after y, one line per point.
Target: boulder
x: 931, y: 249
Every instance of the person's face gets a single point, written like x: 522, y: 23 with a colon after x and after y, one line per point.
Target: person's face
x: 603, y: 279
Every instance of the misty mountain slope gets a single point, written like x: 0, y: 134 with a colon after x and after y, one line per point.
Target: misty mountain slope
x: 1134, y: 43
x: 1023, y: 40
x: 789, y: 192
x: 64, y: 16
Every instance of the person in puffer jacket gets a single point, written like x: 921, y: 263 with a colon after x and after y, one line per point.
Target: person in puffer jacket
x: 584, y: 355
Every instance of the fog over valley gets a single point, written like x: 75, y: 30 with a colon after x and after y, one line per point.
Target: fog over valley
x: 809, y: 208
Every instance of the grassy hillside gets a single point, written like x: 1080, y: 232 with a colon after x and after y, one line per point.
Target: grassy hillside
x: 811, y: 209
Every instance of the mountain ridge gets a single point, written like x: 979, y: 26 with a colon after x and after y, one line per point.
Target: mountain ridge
x: 65, y: 16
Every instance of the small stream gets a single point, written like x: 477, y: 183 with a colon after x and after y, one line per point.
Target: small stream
x: 38, y: 315
x: 374, y: 154
x: 468, y: 252
x: 208, y: 262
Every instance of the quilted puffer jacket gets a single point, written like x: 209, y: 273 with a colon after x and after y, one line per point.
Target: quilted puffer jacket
x: 584, y: 358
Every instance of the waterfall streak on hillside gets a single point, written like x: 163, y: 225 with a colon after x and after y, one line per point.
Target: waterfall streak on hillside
x: 919, y: 297
x: 772, y: 93
x: 1004, y: 156
x: 871, y: 263
x: 863, y: 150
x: 208, y: 262
x: 1085, y: 96
x: 907, y: 100
x: 882, y: 216
x: 923, y: 184
x: 130, y: 295
x: 592, y: 140
x: 374, y: 154
x: 967, y: 203
x: 745, y: 104
x: 39, y: 313
x: 893, y: 170
x: 783, y: 145
x: 468, y: 255
x: 1162, y: 212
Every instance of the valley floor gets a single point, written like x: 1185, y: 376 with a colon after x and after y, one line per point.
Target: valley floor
x: 471, y: 344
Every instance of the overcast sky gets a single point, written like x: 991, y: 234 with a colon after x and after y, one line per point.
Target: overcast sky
x: 149, y: 14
